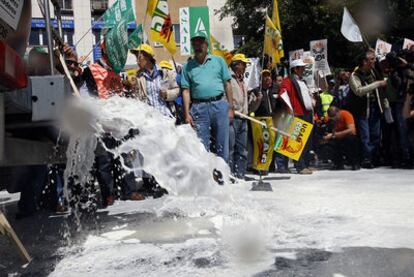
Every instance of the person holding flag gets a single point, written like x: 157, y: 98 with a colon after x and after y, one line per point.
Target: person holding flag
x: 206, y: 84
x: 296, y: 96
x: 242, y: 104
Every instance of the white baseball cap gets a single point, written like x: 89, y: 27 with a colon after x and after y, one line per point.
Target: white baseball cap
x: 297, y: 63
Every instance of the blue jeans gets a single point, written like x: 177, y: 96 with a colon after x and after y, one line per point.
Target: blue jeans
x: 238, y: 147
x: 282, y: 162
x: 369, y: 130
x: 212, y: 121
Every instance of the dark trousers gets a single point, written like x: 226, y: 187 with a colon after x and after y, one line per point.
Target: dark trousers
x: 347, y: 147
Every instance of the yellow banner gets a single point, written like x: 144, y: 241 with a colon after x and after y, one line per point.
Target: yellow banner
x: 218, y: 49
x: 263, y: 141
x: 299, y: 131
x: 161, y: 25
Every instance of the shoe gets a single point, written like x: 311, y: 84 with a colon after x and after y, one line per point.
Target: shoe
x: 367, y: 164
x: 355, y: 167
x: 305, y: 171
x: 338, y: 167
x: 135, y: 196
x: 109, y: 201
x: 283, y: 171
x: 61, y: 209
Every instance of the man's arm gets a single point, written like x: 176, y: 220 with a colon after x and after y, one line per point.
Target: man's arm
x: 349, y: 131
x: 187, y: 100
x: 407, y: 112
x: 360, y: 90
x: 229, y: 95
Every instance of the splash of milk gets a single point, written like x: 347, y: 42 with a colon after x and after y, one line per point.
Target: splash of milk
x: 173, y: 155
x: 177, y: 159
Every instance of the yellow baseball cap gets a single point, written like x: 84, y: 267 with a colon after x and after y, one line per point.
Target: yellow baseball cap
x: 266, y: 71
x: 144, y: 48
x: 166, y: 64
x: 240, y: 58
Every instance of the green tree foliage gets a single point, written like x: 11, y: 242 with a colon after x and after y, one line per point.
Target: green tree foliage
x: 306, y: 20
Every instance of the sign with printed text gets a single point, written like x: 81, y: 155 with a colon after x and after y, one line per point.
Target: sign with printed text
x: 292, y: 147
x: 319, y: 50
x: 295, y: 55
x: 10, y: 12
x: 252, y: 74
x: 193, y: 20
x: 263, y: 141
x: 382, y: 48
x: 309, y: 73
x: 408, y: 43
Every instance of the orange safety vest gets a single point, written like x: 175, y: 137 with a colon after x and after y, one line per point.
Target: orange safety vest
x: 107, y: 81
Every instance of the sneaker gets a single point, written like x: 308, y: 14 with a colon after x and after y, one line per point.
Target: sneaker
x: 283, y: 171
x: 338, y: 167
x: 367, y: 164
x: 135, y: 196
x: 355, y: 167
x: 61, y: 209
x: 109, y: 201
x: 305, y: 171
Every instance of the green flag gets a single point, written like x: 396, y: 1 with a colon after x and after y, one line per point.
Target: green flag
x: 120, y: 10
x: 136, y: 38
x: 116, y: 42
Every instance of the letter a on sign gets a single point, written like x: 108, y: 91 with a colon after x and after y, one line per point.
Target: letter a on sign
x: 200, y: 27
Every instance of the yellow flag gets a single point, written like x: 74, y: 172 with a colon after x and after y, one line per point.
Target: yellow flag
x: 161, y: 25
x: 273, y: 36
x: 151, y: 6
x: 292, y: 147
x: 273, y: 42
x: 218, y: 49
x: 263, y: 142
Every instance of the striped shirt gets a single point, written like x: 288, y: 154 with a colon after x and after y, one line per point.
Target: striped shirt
x: 153, y: 82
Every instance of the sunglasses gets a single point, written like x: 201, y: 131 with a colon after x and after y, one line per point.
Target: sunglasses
x: 70, y: 62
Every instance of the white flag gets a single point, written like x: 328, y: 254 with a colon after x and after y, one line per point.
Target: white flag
x: 349, y: 28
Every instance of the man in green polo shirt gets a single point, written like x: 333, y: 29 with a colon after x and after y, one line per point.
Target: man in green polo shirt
x: 206, y: 85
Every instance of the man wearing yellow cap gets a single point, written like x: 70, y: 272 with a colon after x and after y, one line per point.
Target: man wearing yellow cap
x: 238, y: 129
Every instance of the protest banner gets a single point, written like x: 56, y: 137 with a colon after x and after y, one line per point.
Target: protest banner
x: 161, y: 29
x: 319, y: 50
x: 193, y: 20
x: 408, y: 43
x: 382, y: 48
x: 252, y: 74
x: 309, y: 73
x: 292, y: 147
x: 263, y: 142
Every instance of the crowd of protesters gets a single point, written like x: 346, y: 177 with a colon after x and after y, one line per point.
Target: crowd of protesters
x: 363, y: 117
